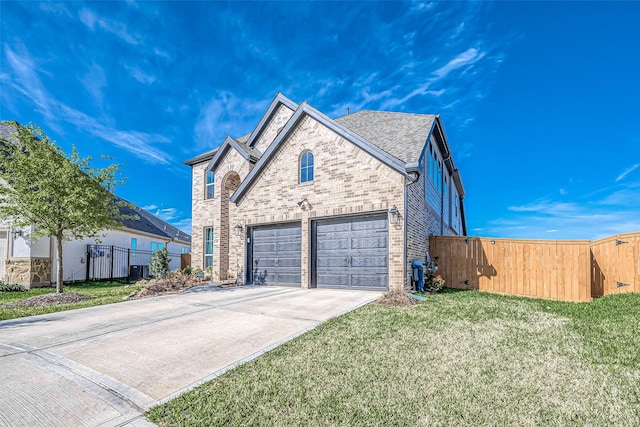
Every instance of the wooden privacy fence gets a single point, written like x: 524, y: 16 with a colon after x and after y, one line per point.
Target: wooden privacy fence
x: 565, y: 270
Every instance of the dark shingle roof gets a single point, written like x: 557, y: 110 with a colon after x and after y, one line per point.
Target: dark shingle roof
x: 402, y: 135
x: 200, y: 158
x: 148, y: 223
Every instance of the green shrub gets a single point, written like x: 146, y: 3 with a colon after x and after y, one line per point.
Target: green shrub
x: 159, y: 264
x: 11, y: 287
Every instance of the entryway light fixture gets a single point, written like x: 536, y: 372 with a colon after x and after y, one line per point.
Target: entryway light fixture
x: 237, y: 229
x: 393, y: 215
x: 304, y: 204
x: 17, y: 233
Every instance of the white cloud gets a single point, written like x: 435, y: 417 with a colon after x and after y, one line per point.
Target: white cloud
x: 627, y: 172
x: 226, y: 115
x: 29, y: 84
x: 465, y: 59
x: 142, y: 77
x: 91, y: 20
x: 94, y: 82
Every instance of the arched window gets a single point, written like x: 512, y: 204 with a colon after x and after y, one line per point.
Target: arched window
x: 306, y: 167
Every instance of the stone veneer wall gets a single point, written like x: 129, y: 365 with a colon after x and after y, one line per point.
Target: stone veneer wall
x: 28, y: 272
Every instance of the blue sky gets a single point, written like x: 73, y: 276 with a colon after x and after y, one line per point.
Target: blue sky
x: 540, y: 101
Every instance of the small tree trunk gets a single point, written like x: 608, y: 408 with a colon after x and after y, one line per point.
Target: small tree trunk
x: 59, y: 270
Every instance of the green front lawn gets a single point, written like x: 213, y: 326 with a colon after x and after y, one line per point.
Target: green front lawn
x: 459, y: 359
x: 101, y: 293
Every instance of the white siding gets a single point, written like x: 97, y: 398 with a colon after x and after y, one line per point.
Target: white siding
x: 75, y: 252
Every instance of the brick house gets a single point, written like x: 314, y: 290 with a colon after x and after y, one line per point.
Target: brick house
x: 310, y: 201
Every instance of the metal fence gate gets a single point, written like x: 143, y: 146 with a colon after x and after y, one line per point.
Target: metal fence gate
x: 108, y: 262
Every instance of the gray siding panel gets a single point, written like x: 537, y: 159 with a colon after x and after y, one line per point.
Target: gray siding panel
x: 276, y: 254
x: 352, y: 253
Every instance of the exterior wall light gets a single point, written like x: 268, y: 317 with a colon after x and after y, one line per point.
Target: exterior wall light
x: 393, y: 215
x: 17, y: 233
x: 237, y: 230
x: 304, y: 204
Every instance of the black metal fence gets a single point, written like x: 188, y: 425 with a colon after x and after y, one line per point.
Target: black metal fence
x: 108, y: 262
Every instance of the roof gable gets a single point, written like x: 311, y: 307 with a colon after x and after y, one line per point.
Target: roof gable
x: 306, y: 109
x: 249, y: 154
x: 278, y: 100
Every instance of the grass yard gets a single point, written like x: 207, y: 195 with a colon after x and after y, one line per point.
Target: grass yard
x: 101, y: 293
x: 460, y: 359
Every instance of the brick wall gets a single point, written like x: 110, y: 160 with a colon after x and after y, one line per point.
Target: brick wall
x: 347, y: 181
x: 279, y: 119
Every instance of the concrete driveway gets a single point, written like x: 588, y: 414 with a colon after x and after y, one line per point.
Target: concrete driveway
x: 105, y: 366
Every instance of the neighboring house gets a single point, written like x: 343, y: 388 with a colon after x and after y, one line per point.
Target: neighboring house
x: 310, y: 201
x: 32, y: 262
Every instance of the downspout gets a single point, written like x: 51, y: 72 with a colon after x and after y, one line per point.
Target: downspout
x: 406, y: 228
x: 444, y: 165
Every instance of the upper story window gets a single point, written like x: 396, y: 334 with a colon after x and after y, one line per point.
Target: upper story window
x: 209, y: 184
x: 306, y: 167
x: 134, y: 244
x: 435, y: 168
x: 156, y: 246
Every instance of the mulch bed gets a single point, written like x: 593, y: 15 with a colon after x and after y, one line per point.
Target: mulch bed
x: 47, y: 299
x: 165, y: 287
x: 396, y: 298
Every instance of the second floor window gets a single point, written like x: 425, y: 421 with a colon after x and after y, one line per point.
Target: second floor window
x: 209, y: 184
x: 306, y: 167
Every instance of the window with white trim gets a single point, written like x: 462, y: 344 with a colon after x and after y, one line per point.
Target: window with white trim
x: 306, y: 167
x: 208, y: 247
x: 209, y: 185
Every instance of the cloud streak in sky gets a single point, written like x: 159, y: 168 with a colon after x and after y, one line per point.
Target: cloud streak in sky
x: 29, y: 84
x: 627, y: 172
x: 92, y: 20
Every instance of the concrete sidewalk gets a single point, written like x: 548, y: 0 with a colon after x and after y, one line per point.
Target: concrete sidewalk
x: 106, y: 365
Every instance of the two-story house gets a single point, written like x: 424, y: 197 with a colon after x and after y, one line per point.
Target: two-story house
x: 306, y: 200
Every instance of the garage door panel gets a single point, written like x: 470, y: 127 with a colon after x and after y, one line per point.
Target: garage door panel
x: 267, y: 248
x: 379, y: 261
x: 289, y: 262
x: 333, y: 261
x: 276, y: 254
x: 352, y: 253
x: 332, y: 245
x: 292, y: 230
x: 370, y: 224
x: 283, y: 247
x: 369, y: 281
x: 333, y: 227
x: 369, y: 243
x: 260, y: 233
x: 263, y: 262
x: 329, y: 280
